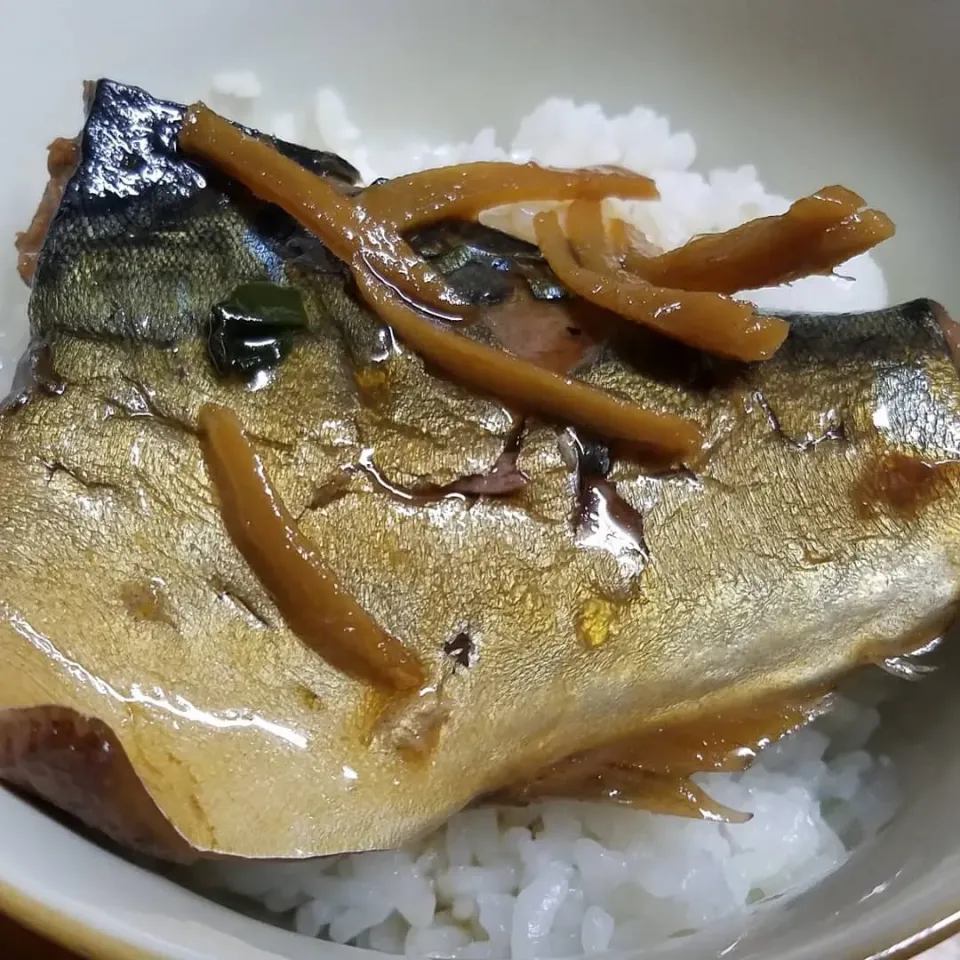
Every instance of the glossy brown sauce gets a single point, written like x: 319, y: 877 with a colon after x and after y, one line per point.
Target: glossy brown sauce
x: 604, y: 513
x: 900, y: 484
x: 501, y: 480
x: 603, y: 520
x: 653, y: 771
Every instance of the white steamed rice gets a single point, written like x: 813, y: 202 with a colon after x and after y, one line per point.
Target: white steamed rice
x: 563, y: 878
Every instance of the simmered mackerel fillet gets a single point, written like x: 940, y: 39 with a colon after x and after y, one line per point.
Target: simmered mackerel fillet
x: 579, y: 616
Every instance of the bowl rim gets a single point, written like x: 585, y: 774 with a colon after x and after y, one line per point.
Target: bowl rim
x: 66, y: 929
x: 69, y: 931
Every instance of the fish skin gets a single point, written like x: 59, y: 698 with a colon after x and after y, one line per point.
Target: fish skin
x: 132, y: 188
x: 761, y: 573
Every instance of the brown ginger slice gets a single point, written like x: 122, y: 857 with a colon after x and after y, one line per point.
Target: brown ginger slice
x: 310, y: 598
x: 706, y: 321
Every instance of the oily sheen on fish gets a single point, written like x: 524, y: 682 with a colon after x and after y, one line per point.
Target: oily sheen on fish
x: 588, y: 600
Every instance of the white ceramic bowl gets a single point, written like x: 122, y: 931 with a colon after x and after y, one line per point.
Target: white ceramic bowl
x: 856, y: 91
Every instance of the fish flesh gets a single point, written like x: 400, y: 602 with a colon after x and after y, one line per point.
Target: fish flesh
x: 567, y: 600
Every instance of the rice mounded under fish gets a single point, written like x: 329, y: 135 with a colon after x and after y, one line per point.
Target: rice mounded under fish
x: 562, y: 878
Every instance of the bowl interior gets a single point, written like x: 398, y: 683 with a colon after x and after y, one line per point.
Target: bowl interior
x: 815, y: 93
